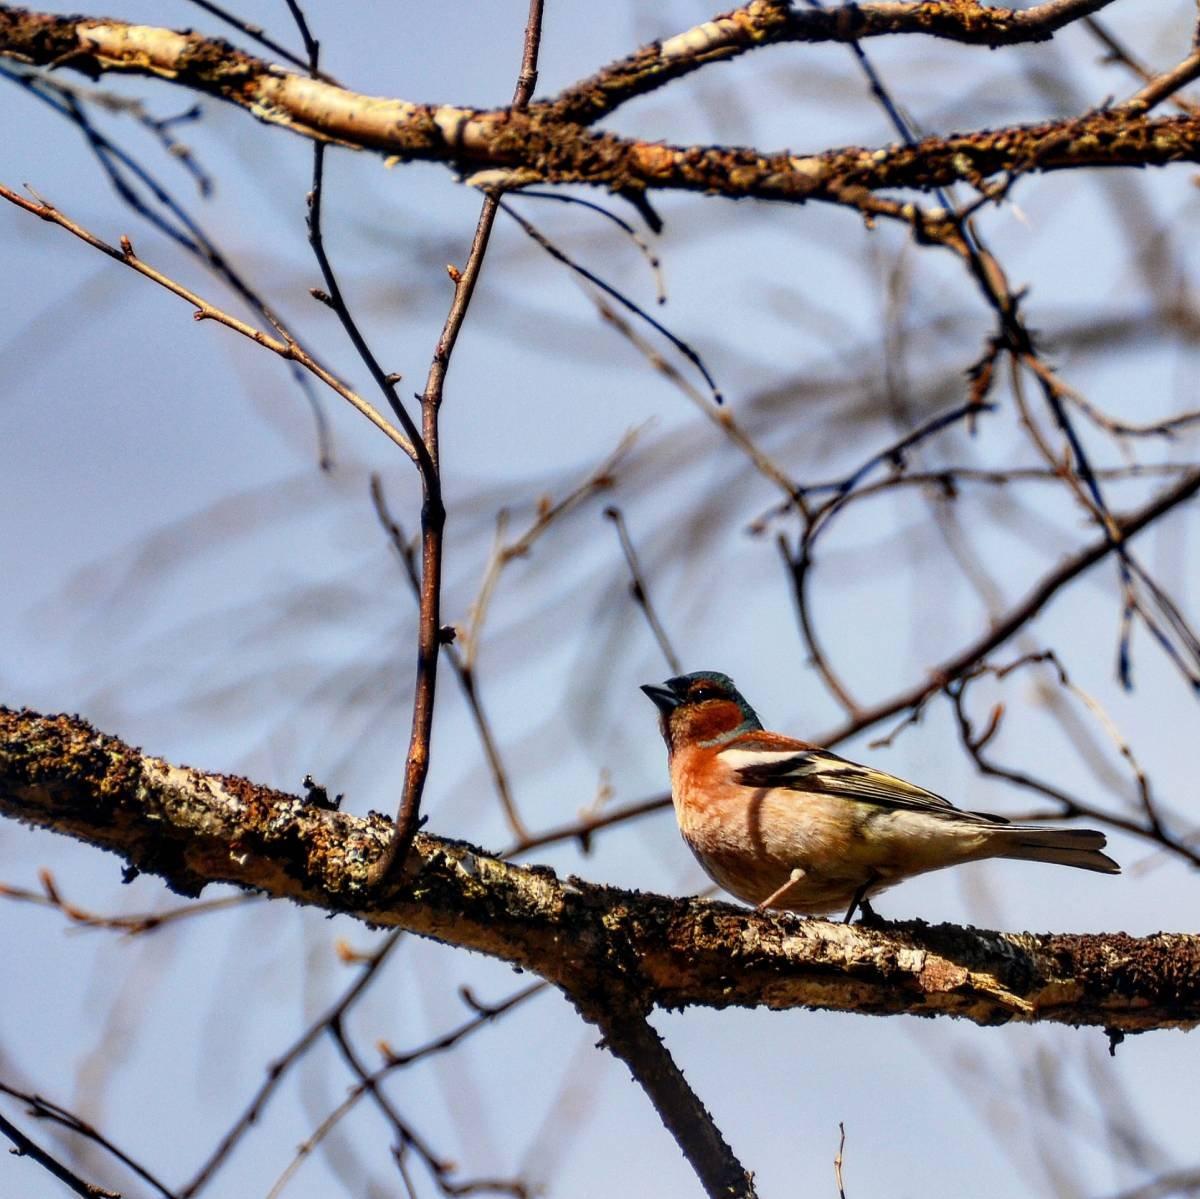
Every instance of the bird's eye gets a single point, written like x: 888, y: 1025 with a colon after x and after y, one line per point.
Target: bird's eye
x: 700, y: 694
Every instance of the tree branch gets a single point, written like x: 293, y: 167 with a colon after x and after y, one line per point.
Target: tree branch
x: 28, y: 1148
x: 629, y: 1036
x: 770, y: 22
x: 510, y: 148
x: 193, y: 828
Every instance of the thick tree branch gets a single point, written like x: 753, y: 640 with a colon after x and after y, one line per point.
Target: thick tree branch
x: 194, y: 828
x: 511, y: 148
x: 629, y: 1036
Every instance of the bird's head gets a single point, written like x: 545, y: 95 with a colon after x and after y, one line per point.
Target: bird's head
x: 703, y: 708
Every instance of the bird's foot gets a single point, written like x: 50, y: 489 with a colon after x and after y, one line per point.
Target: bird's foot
x: 859, y: 904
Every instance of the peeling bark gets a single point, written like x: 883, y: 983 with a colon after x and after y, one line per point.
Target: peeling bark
x: 193, y: 828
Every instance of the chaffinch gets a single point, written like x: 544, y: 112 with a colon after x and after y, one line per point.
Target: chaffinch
x: 784, y: 824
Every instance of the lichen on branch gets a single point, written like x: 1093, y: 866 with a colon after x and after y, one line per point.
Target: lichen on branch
x: 193, y: 828
x: 551, y: 141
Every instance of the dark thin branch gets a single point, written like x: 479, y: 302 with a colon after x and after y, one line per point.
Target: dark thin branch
x: 284, y: 346
x: 28, y: 1148
x: 43, y: 1109
x: 385, y: 382
x: 256, y: 33
x: 1018, y: 616
x: 278, y: 1068
x: 687, y: 350
x: 124, y: 171
x: 51, y: 897
x: 407, y: 1137
x: 582, y: 830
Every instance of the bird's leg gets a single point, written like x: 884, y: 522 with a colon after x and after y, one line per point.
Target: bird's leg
x: 771, y: 900
x: 859, y: 903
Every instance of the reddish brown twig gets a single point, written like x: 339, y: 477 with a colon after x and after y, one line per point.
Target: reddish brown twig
x: 433, y: 512
x: 51, y: 897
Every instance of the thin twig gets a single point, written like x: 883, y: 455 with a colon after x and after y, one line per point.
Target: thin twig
x: 44, y: 1109
x: 255, y: 33
x: 686, y: 349
x: 369, y: 1084
x: 999, y: 631
x: 28, y: 1148
x: 51, y: 897
x: 406, y: 552
x: 204, y: 311
x: 280, y: 1066
x: 124, y: 172
x: 433, y: 512
x: 505, y: 550
x: 639, y: 591
x: 839, y: 1159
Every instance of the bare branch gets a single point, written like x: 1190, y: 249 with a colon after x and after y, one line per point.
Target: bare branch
x: 433, y: 511
x: 28, y: 1148
x: 205, y: 311
x: 511, y: 147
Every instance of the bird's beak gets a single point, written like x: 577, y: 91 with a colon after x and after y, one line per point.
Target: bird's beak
x: 663, y: 698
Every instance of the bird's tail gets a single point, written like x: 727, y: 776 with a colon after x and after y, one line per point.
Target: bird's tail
x: 1065, y: 846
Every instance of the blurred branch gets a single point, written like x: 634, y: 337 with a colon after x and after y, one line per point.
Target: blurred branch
x: 51, y: 897
x: 192, y: 828
x: 1173, y: 1182
x: 911, y: 699
x: 153, y: 201
x: 1119, y: 52
x: 24, y: 1147
x: 43, y: 1109
x: 280, y: 1066
x: 639, y: 591
x: 581, y: 830
x: 254, y: 32
x: 407, y: 1138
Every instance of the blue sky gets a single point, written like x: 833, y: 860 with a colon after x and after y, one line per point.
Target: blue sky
x: 179, y: 571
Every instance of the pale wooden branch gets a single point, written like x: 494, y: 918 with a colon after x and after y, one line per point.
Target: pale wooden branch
x: 770, y: 22
x: 509, y: 147
x: 193, y: 828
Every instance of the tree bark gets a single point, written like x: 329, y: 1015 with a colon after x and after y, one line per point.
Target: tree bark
x: 193, y: 828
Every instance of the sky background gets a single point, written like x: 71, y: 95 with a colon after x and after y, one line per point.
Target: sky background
x: 177, y: 569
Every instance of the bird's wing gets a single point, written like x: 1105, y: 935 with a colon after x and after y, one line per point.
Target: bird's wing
x: 818, y: 770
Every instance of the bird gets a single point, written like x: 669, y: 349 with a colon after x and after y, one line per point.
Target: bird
x: 783, y: 824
